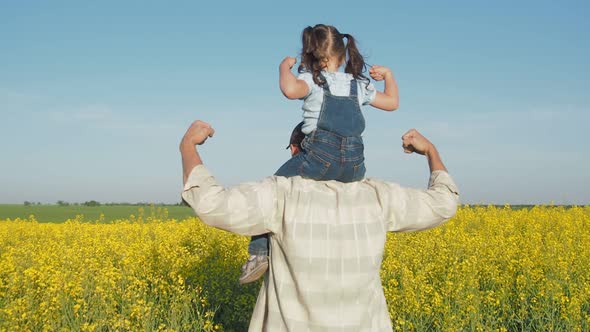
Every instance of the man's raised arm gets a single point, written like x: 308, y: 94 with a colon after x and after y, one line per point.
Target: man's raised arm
x: 247, y: 209
x: 413, y: 141
x: 409, y: 209
x: 196, y: 134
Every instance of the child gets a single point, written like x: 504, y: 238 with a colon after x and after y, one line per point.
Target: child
x: 332, y: 120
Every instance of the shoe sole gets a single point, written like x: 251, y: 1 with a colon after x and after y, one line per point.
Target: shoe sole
x: 255, y: 275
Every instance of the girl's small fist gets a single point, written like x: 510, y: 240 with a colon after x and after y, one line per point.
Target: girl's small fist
x: 289, y: 61
x: 379, y: 73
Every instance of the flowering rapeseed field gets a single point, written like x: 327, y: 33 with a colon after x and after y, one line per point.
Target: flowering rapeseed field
x: 487, y: 269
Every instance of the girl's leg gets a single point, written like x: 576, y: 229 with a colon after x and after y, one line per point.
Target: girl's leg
x: 258, y: 245
x: 292, y: 167
x: 258, y: 248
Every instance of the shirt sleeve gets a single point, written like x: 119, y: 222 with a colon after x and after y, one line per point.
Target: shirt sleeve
x: 367, y: 92
x: 408, y: 209
x: 246, y: 209
x: 308, y: 79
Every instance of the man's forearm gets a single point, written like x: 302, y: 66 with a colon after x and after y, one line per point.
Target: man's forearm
x: 190, y: 159
x: 434, y: 161
x: 413, y: 141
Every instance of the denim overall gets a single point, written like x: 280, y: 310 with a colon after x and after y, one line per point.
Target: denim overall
x: 333, y: 151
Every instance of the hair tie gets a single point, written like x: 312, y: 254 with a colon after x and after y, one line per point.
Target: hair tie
x: 347, y: 36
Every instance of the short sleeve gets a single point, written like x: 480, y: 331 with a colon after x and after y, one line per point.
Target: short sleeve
x: 409, y: 209
x: 367, y: 92
x: 308, y: 79
x: 246, y: 209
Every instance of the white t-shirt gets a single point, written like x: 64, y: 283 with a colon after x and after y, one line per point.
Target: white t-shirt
x: 339, y: 84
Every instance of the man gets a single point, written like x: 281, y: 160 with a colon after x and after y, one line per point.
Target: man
x: 327, y: 237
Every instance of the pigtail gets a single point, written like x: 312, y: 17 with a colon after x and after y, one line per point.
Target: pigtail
x: 311, y: 56
x: 308, y: 42
x: 355, y: 63
x: 308, y: 46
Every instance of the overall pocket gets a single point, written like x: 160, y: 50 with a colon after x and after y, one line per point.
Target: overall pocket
x: 313, y: 166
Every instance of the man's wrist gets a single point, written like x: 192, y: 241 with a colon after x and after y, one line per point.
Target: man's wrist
x: 434, y: 161
x: 430, y: 151
x: 185, y: 143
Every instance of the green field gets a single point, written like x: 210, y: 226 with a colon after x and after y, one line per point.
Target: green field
x: 56, y: 213
x: 59, y: 214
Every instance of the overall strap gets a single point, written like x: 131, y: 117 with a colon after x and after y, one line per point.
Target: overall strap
x: 353, y: 88
x: 325, y: 85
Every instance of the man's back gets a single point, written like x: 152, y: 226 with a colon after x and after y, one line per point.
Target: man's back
x: 325, y: 260
x: 326, y: 242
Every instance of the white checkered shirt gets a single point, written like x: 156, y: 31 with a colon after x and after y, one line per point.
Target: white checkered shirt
x: 326, y: 242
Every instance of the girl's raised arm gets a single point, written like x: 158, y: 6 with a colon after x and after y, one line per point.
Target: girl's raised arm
x: 388, y: 100
x: 291, y: 87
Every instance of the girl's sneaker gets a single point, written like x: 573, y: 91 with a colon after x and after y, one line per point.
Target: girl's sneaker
x: 253, y: 269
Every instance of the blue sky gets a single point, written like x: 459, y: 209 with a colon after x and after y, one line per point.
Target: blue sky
x: 95, y: 96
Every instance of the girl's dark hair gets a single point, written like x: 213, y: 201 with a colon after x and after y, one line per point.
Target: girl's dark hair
x: 324, y: 41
